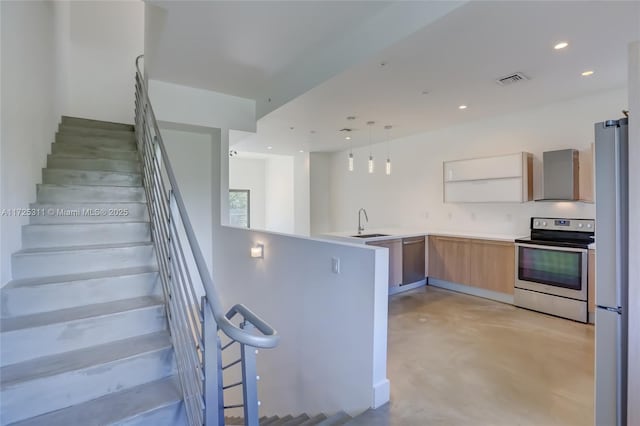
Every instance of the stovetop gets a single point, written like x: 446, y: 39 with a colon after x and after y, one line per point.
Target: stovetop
x: 555, y: 243
x: 558, y: 232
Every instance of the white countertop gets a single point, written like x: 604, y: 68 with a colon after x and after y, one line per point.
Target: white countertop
x: 396, y: 233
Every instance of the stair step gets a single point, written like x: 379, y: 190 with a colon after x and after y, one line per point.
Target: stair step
x: 314, y: 420
x: 75, y: 139
x: 33, y: 336
x: 269, y: 420
x: 297, y: 420
x: 84, y: 374
x: 45, y: 294
x: 281, y: 420
x: 78, y: 234
x: 337, y: 419
x: 92, y: 131
x: 157, y: 403
x: 41, y: 262
x: 86, y: 213
x: 57, y: 194
x: 90, y: 178
x: 59, y: 161
x: 97, y: 151
x: 94, y: 124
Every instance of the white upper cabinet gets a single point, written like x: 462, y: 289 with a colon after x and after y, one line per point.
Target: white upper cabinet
x: 499, y: 179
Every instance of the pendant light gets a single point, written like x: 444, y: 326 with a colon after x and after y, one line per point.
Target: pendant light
x: 371, y: 165
x: 350, y: 154
x: 388, y: 164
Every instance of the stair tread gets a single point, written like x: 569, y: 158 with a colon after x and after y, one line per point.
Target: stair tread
x: 40, y: 250
x: 78, y: 313
x: 77, y: 157
x: 97, y: 172
x: 296, y: 420
x: 114, y: 407
x: 75, y: 185
x: 65, y: 122
x: 314, y: 420
x: 83, y: 358
x: 53, y: 279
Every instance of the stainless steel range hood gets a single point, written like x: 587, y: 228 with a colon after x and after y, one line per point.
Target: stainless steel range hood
x: 561, y: 175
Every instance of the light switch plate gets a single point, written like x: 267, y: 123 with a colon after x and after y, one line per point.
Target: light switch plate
x: 335, y: 265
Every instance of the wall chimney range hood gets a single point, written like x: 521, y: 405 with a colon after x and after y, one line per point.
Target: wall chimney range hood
x: 561, y: 175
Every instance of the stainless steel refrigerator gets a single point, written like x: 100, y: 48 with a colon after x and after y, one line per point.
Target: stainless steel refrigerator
x: 612, y: 236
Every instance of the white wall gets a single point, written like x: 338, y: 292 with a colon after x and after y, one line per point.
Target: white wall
x: 301, y: 195
x: 320, y: 165
x: 249, y: 173
x: 190, y: 152
x: 188, y: 105
x: 279, y: 186
x: 279, y: 209
x: 29, y: 111
x: 412, y: 196
x: 104, y: 38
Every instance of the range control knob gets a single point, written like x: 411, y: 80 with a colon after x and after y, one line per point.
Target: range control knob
x: 536, y: 223
x: 580, y: 225
x: 589, y: 225
x: 544, y: 223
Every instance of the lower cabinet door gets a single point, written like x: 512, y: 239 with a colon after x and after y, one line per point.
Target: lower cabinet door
x: 492, y: 265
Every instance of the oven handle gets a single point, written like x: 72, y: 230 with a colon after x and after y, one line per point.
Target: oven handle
x: 553, y: 248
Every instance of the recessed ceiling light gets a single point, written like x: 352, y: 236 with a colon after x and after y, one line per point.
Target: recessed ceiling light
x: 302, y: 150
x: 347, y: 137
x: 269, y: 147
x: 587, y: 73
x: 462, y: 107
x: 351, y: 117
x: 291, y: 128
x: 425, y: 92
x: 561, y: 45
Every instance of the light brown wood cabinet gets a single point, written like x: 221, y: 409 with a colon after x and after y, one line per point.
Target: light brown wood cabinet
x: 449, y: 259
x: 395, y: 260
x: 485, y: 264
x: 492, y: 265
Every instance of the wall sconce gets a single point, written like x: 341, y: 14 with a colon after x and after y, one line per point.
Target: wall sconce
x: 257, y: 251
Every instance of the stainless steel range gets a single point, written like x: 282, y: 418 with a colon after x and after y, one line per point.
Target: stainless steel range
x: 552, y: 265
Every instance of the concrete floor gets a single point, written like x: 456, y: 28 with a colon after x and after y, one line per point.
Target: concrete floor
x: 461, y: 360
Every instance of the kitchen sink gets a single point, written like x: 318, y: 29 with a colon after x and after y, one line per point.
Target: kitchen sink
x: 370, y: 235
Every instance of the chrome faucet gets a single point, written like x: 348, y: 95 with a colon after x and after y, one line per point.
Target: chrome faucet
x: 360, y: 227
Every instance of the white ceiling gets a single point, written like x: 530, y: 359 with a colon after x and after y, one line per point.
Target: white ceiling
x: 237, y: 47
x: 456, y: 59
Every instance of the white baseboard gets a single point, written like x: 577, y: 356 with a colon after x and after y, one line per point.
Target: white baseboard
x: 381, y: 393
x: 474, y: 291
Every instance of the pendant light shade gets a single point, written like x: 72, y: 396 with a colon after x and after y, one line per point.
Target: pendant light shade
x: 351, y: 161
x: 387, y: 168
x: 371, y: 165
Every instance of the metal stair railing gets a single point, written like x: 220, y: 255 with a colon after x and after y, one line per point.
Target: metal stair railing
x: 196, y: 324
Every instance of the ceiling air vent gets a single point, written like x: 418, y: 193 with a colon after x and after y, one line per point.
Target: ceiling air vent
x: 513, y: 78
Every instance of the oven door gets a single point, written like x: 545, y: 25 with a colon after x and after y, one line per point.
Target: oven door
x: 560, y: 271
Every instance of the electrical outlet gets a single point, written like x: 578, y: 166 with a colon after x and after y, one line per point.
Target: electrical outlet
x: 335, y: 265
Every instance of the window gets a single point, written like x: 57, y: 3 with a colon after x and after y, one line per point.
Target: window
x: 239, y: 209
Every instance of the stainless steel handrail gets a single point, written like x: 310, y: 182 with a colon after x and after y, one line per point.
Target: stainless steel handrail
x: 270, y: 337
x: 194, y: 323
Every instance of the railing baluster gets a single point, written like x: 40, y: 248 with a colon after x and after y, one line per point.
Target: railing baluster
x: 249, y: 378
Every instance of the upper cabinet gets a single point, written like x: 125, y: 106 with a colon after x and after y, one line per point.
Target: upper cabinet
x: 499, y: 179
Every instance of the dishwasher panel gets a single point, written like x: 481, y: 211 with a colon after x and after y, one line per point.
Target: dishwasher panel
x: 413, y: 259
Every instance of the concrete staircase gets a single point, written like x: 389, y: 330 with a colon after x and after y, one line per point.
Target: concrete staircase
x: 83, y: 334
x: 340, y: 418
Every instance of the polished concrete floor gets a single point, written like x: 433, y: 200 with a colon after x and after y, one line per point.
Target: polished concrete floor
x: 461, y: 360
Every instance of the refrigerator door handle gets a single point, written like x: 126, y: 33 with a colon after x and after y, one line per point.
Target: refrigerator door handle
x: 617, y: 310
